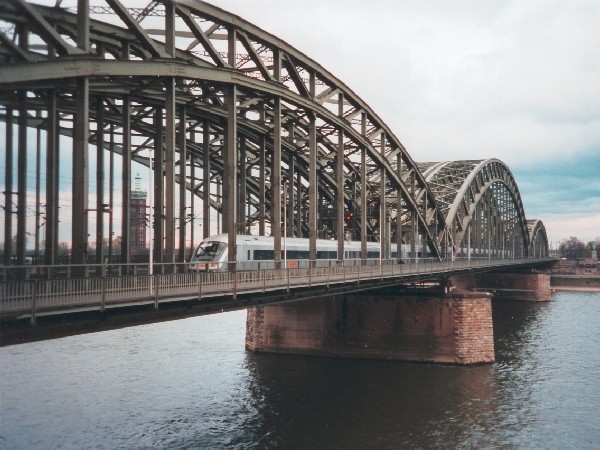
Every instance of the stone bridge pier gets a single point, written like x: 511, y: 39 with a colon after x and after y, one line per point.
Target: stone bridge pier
x: 520, y: 286
x: 450, y: 324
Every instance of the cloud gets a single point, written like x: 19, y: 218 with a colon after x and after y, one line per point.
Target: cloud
x: 585, y: 227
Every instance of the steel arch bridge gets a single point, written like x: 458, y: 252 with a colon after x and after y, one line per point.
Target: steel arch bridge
x: 228, y: 122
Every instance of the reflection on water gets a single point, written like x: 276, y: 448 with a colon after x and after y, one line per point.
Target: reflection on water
x: 355, y: 404
x: 190, y: 383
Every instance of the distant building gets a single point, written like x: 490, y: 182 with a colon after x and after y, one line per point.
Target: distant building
x: 138, y: 218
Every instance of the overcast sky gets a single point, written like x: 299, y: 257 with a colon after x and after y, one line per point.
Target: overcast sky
x: 514, y: 80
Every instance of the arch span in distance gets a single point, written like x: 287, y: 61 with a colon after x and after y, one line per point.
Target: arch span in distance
x: 235, y: 127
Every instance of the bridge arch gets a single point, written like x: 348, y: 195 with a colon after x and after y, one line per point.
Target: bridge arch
x: 482, y: 207
x: 538, y: 239
x: 212, y: 104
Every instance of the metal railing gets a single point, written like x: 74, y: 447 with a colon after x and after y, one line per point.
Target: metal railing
x: 37, y: 295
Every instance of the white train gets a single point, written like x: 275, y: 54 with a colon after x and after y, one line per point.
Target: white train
x: 257, y: 252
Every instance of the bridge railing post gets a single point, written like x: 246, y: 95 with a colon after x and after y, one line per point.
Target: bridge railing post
x: 199, y: 281
x: 156, y: 286
x: 33, y: 301
x: 103, y: 293
x: 235, y: 283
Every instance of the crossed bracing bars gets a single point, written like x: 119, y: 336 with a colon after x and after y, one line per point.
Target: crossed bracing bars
x: 291, y: 119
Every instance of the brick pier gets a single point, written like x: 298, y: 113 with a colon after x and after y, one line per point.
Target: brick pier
x: 416, y: 325
x: 529, y: 287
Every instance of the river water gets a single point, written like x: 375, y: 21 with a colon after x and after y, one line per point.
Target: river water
x: 191, y: 384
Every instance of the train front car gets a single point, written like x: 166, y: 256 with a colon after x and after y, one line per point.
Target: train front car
x: 211, y: 254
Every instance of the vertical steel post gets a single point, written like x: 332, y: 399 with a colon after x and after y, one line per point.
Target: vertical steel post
x: 363, y: 191
x: 383, y: 229
x: 262, y: 173
x: 206, y: 159
x: 38, y: 170
x: 399, y: 208
x: 192, y: 164
x: 276, y: 183
x: 80, y: 145
x: 169, y: 168
x: 159, y: 157
x: 182, y: 184
x: 126, y: 182
x: 8, y: 180
x: 22, y: 179
x: 170, y: 28
x: 99, y: 181
x: 241, y: 217
x: 413, y: 220
x: 289, y: 197
x: 80, y: 173
x: 52, y: 157
x: 425, y: 227
x: 276, y: 166
x: 313, y: 209
x: 83, y: 25
x: 299, y: 219
x: 339, y: 179
x: 230, y: 178
x: 111, y: 191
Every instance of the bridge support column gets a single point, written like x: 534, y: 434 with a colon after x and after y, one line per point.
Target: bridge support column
x: 529, y: 287
x: 452, y: 328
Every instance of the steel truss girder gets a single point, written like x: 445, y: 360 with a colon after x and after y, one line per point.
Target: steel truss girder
x: 460, y: 186
x: 269, y: 67
x: 538, y: 239
x: 60, y: 70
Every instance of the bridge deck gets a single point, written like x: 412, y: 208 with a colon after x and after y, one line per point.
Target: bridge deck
x: 33, y: 298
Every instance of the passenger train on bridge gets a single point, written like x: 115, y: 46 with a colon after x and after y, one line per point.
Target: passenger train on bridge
x: 257, y: 252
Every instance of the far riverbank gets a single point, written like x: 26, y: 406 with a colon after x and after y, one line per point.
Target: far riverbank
x: 575, y: 275
x: 588, y: 283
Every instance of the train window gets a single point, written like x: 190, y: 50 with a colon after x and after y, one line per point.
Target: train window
x: 209, y: 250
x: 263, y: 255
x: 297, y: 254
x: 324, y: 254
x: 394, y: 255
x: 372, y: 255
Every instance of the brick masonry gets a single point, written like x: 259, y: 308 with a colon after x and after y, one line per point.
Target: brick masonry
x: 453, y: 328
x: 532, y: 287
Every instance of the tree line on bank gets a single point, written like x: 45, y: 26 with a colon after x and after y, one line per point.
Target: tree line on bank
x: 574, y: 248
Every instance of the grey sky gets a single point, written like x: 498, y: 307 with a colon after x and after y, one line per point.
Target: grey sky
x: 515, y: 80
